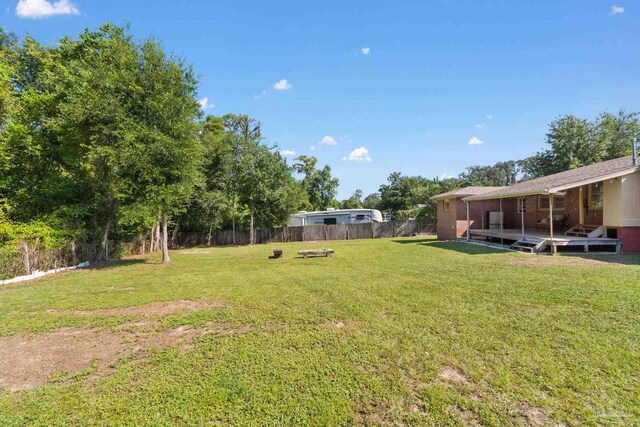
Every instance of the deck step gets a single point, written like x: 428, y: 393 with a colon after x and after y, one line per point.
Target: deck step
x: 529, y: 245
x: 585, y: 231
x: 521, y: 248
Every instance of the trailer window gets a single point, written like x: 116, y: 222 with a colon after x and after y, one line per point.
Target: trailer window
x: 359, y: 217
x: 330, y: 221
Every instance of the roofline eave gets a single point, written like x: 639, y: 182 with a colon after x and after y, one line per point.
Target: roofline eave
x: 593, y: 180
x: 505, y: 196
x: 554, y: 190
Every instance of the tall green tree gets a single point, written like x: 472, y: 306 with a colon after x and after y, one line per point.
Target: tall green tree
x: 372, y: 201
x: 500, y: 174
x: 266, y: 186
x: 168, y: 168
x: 211, y: 202
x: 320, y: 186
x: 95, y: 124
x: 575, y: 142
x: 410, y: 196
x: 353, y: 202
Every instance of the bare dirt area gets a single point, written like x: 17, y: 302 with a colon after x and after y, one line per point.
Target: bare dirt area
x: 27, y: 361
x: 450, y: 374
x: 528, y: 415
x: 533, y: 416
x: 468, y: 418
x: 156, y: 309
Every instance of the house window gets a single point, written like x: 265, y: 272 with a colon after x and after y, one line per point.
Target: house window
x: 595, y: 196
x: 522, y: 205
x: 543, y: 203
x: 446, y: 205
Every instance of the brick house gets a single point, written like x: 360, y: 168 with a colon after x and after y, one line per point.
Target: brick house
x: 452, y: 211
x: 592, y: 207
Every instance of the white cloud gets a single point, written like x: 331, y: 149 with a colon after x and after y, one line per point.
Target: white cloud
x: 282, y: 85
x: 329, y: 140
x: 444, y: 176
x: 204, y: 104
x: 475, y: 141
x: 360, y: 154
x: 366, y: 51
x: 489, y: 116
x: 287, y: 152
x: 263, y: 93
x: 43, y: 8
x: 313, y: 147
x: 616, y: 10
x: 344, y: 158
x: 480, y: 125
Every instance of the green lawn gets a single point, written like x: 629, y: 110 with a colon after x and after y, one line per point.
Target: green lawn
x: 391, y: 331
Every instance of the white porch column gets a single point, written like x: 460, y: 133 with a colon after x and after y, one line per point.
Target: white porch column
x: 501, y: 223
x: 580, y: 207
x: 521, y: 213
x: 551, y: 202
x: 468, y: 223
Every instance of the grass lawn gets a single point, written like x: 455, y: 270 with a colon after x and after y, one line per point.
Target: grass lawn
x: 390, y: 331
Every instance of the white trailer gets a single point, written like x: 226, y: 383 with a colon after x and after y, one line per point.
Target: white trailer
x: 335, y: 216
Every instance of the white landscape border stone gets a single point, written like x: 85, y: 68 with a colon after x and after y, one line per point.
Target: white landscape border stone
x: 38, y: 273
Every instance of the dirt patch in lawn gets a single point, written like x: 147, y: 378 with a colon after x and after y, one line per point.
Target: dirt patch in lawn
x: 452, y: 375
x: 27, y: 361
x: 156, y: 309
x: 467, y: 417
x: 533, y: 416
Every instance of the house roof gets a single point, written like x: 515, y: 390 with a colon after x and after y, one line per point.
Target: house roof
x: 464, y: 192
x: 562, y: 181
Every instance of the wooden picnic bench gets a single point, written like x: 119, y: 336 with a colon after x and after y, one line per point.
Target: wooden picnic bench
x: 316, y: 252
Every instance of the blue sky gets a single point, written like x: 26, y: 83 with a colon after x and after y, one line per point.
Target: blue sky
x: 435, y: 75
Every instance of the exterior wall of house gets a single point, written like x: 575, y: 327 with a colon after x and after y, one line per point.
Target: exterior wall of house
x: 452, y: 224
x: 574, y: 199
x: 631, y: 200
x: 622, y: 210
x: 630, y: 237
x: 447, y: 219
x: 613, y: 202
x: 479, y: 214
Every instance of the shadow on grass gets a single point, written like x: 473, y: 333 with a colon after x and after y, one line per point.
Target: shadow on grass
x: 568, y: 258
x: 105, y: 265
x: 469, y: 249
x: 413, y: 241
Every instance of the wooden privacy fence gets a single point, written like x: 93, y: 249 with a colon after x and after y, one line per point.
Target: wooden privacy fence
x: 29, y: 257
x: 308, y: 233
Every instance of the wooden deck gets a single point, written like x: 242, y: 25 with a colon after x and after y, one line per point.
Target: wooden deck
x: 510, y: 236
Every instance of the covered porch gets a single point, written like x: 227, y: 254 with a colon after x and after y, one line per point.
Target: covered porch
x: 568, y: 219
x: 536, y: 241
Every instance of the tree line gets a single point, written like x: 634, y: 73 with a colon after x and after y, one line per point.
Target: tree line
x: 102, y: 139
x: 572, y: 142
